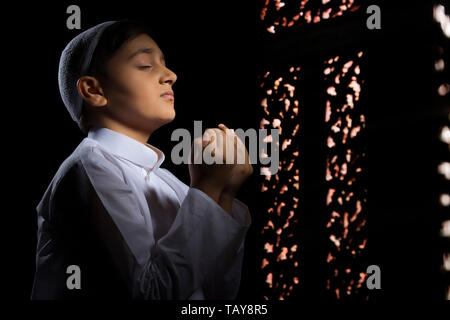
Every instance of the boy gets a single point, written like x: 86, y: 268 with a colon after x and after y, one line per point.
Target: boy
x: 130, y: 228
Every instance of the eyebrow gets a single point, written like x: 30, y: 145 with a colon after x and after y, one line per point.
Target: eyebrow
x: 147, y: 51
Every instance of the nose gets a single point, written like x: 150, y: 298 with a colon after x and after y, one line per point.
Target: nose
x: 169, y: 77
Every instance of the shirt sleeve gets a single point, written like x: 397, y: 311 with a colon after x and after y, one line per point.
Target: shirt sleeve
x: 224, y: 283
x: 182, y: 260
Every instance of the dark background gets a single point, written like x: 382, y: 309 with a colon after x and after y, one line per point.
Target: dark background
x: 217, y: 49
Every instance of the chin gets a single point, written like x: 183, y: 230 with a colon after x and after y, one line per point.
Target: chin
x: 166, y: 118
x: 171, y: 116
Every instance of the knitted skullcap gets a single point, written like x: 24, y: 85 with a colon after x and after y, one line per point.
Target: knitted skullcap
x: 74, y: 63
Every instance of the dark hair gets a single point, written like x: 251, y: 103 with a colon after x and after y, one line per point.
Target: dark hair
x: 112, y: 39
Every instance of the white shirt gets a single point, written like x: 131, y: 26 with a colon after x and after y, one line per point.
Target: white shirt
x: 133, y: 228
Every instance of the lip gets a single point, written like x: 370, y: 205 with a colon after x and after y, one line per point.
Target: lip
x: 169, y: 92
x: 168, y: 95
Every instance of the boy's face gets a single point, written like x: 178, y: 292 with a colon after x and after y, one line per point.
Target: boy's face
x: 136, y: 79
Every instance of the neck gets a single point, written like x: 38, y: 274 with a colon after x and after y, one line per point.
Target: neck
x: 134, y: 133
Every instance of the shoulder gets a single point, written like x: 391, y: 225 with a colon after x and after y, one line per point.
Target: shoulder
x: 89, y: 165
x: 88, y: 160
x: 97, y: 161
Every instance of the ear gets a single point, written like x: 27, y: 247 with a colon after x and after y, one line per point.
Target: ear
x: 90, y: 90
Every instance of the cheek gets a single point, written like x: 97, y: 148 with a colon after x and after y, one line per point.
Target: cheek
x: 137, y: 91
x: 145, y: 90
x: 146, y: 96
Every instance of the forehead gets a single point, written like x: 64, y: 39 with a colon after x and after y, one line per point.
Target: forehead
x: 142, y: 41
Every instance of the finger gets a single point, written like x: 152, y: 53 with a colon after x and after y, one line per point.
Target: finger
x: 209, y: 133
x: 206, y: 137
x: 225, y: 128
x: 219, y: 141
x: 235, y: 148
x: 213, y: 152
x: 229, y: 139
x: 205, y: 143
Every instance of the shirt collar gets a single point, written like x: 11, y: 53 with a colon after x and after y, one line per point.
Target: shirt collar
x: 143, y: 155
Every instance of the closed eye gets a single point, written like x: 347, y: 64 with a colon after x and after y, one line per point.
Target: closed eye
x: 144, y: 67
